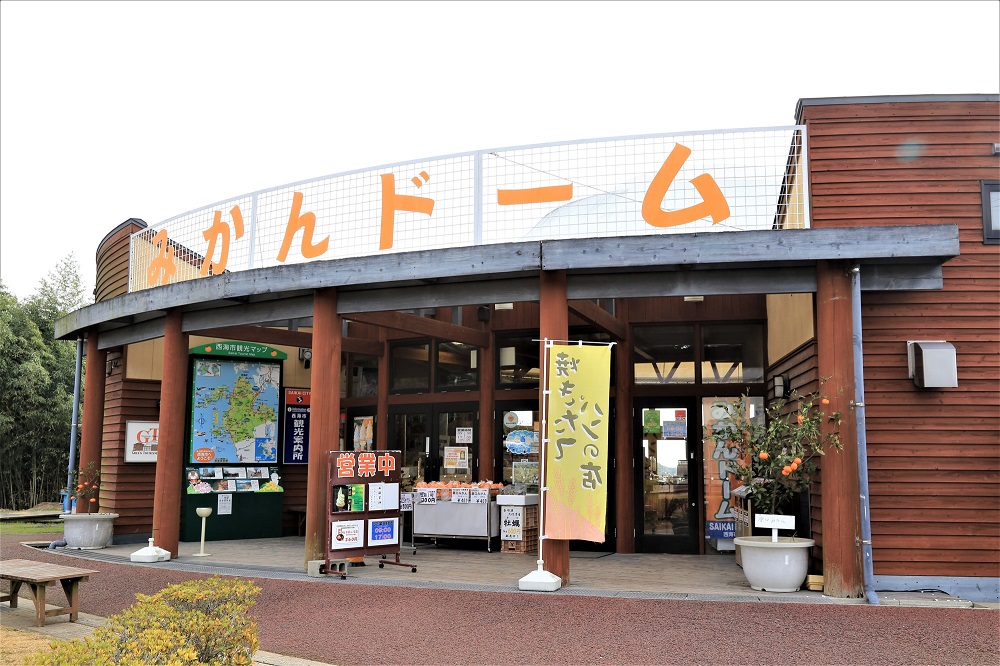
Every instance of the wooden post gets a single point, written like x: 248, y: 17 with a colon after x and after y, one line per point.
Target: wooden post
x: 92, y: 427
x: 839, y: 485
x: 324, y: 422
x: 170, y: 450
x: 624, y: 449
x: 553, y: 325
x: 487, y: 396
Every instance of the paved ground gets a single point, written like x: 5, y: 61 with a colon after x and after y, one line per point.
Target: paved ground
x: 392, y: 616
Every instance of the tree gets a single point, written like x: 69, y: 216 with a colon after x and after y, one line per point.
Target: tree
x: 36, y: 388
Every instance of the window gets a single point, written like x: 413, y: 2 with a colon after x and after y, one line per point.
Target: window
x: 410, y: 367
x: 457, y: 367
x: 732, y: 353
x: 364, y: 376
x: 517, y: 362
x: 664, y: 355
x: 991, y: 211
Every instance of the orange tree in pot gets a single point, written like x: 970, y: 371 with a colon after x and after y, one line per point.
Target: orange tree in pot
x: 775, y: 459
x: 85, y: 489
x: 776, y: 451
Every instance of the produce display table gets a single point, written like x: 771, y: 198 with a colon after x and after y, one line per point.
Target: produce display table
x: 38, y: 576
x: 457, y: 521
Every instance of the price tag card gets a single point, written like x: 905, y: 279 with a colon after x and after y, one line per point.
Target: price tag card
x: 427, y: 496
x: 460, y: 495
x: 479, y: 495
x: 406, y: 501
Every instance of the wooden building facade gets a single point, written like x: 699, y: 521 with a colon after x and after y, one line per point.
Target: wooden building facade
x: 898, y: 226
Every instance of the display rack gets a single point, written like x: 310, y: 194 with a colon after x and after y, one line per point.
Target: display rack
x: 362, y: 499
x: 478, y: 518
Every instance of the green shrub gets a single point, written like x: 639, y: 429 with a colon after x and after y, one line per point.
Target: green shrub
x: 198, y: 622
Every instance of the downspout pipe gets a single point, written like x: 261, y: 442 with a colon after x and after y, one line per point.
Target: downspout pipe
x: 859, y: 417
x: 73, y: 425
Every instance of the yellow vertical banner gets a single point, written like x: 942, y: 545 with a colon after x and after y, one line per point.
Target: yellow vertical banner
x: 576, y: 459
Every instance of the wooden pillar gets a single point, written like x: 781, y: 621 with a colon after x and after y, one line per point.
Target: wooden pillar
x: 839, y: 486
x: 553, y: 325
x: 92, y: 425
x: 382, y: 399
x: 170, y: 450
x: 624, y: 446
x: 487, y: 409
x: 324, y: 424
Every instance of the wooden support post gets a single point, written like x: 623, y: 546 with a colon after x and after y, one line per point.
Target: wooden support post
x: 839, y: 486
x: 382, y: 400
x: 170, y: 450
x: 553, y: 325
x: 324, y: 422
x: 487, y: 397
x: 92, y: 427
x: 624, y: 449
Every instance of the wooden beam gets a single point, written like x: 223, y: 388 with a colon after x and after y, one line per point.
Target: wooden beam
x: 599, y: 317
x: 423, y: 326
x: 278, y: 336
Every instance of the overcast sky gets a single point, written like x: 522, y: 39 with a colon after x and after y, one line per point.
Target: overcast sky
x: 147, y: 109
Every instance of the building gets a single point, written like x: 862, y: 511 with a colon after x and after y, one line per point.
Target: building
x: 876, y: 267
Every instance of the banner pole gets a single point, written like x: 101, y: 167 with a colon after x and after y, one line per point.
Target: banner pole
x: 541, y: 580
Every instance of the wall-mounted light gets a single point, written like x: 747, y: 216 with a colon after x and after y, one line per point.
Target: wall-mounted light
x: 780, y: 386
x: 694, y: 299
x: 503, y: 306
x: 110, y: 366
x: 305, y: 355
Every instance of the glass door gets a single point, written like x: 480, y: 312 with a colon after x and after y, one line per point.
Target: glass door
x: 669, y: 474
x: 438, y: 442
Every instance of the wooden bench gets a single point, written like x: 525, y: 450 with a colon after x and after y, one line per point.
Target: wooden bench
x: 38, y: 576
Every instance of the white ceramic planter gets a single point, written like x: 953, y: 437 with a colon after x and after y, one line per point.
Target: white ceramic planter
x: 87, y: 531
x: 775, y: 566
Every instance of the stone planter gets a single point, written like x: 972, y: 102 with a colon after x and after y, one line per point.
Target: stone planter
x: 87, y: 531
x: 775, y: 566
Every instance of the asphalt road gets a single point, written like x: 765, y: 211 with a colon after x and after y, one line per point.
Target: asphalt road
x: 354, y: 625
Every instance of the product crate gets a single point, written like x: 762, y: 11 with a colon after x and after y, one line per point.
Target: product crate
x: 527, y: 544
x: 530, y: 516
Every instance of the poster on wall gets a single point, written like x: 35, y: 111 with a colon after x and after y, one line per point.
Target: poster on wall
x: 229, y: 479
x: 364, y: 435
x: 296, y: 430
x: 234, y: 404
x: 141, y: 440
x: 720, y: 520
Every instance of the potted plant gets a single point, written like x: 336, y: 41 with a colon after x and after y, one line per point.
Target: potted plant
x: 775, y: 460
x: 87, y: 528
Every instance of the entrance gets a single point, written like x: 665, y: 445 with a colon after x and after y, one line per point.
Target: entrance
x: 668, y: 480
x: 439, y: 442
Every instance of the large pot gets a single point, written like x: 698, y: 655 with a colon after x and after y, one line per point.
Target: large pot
x: 87, y: 531
x: 775, y: 566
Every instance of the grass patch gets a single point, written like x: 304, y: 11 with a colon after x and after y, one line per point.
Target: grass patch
x: 30, y: 527
x: 16, y: 645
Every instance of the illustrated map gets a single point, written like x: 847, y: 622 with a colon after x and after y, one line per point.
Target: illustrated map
x: 235, y: 411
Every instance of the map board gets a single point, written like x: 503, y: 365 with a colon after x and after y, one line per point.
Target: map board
x: 234, y: 410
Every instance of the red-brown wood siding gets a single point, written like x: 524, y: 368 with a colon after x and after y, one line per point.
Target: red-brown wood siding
x: 933, y: 455
x: 112, y: 264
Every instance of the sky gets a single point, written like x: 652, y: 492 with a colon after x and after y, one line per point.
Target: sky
x: 112, y: 110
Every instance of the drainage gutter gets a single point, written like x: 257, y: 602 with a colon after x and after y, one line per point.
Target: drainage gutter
x: 859, y: 415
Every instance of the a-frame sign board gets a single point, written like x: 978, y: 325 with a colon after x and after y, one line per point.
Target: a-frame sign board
x: 362, y: 499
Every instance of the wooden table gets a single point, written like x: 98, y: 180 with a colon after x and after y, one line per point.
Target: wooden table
x: 38, y: 576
